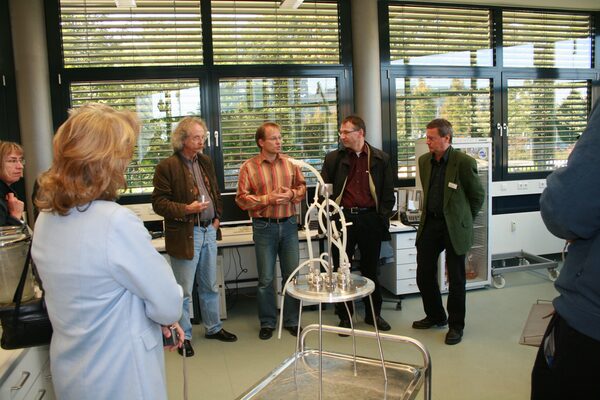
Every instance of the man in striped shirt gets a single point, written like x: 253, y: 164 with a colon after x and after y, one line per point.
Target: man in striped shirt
x: 269, y: 186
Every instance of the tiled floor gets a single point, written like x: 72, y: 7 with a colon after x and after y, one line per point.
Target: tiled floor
x: 488, y: 364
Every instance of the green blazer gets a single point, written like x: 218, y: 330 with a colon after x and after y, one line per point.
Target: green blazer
x: 463, y: 197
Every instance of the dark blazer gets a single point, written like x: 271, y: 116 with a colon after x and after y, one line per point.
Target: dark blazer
x: 173, y: 190
x: 335, y: 170
x: 461, y: 203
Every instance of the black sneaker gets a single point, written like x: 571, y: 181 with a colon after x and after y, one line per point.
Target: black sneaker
x: 427, y: 323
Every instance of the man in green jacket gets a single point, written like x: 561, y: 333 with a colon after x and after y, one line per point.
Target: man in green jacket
x: 453, y: 195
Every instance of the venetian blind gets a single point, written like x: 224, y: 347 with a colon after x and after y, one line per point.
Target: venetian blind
x: 259, y: 32
x: 160, y: 104
x: 439, y: 36
x: 535, y: 39
x: 545, y: 118
x: 96, y: 33
x: 306, y: 109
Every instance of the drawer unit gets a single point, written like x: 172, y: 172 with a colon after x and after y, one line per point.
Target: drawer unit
x: 406, y: 240
x: 401, y: 276
x: 406, y: 256
x: 20, y: 377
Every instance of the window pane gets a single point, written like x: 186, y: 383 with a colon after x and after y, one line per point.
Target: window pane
x: 439, y: 36
x: 545, y: 118
x: 466, y: 103
x: 306, y: 109
x: 160, y: 104
x: 96, y: 33
x: 259, y: 32
x: 534, y: 39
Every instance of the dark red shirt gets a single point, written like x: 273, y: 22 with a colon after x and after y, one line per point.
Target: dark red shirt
x: 357, y: 192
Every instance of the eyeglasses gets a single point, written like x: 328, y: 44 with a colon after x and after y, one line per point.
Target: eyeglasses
x: 340, y: 133
x: 16, y: 160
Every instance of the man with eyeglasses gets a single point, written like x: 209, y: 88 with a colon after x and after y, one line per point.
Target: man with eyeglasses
x: 363, y: 185
x: 269, y: 187
x: 12, y: 163
x: 187, y: 195
x: 453, y: 195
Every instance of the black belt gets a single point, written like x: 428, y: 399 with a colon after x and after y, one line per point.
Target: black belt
x: 359, y: 210
x: 272, y: 220
x: 203, y: 223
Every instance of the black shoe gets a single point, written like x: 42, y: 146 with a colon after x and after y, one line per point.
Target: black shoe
x: 223, y: 336
x: 454, y: 336
x: 265, y: 333
x: 427, y: 323
x: 344, y: 323
x: 382, y: 324
x: 187, y: 345
x: 293, y: 330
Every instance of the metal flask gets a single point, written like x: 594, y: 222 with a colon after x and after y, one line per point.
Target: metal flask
x: 14, y: 244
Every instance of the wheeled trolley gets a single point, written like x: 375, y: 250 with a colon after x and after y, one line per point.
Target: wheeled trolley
x: 345, y: 376
x: 519, y: 261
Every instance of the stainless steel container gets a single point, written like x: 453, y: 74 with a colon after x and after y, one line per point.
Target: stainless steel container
x: 14, y: 244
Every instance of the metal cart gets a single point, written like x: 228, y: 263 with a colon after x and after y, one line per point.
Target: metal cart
x: 344, y: 376
x: 519, y: 261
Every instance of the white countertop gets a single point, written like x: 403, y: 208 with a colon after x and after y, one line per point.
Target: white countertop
x: 233, y: 237
x: 242, y: 235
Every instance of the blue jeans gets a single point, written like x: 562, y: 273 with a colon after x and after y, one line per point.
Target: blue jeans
x: 271, y: 240
x: 204, y: 268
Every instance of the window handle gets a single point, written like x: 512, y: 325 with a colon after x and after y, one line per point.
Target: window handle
x: 505, y: 128
x: 499, y: 127
x: 208, y: 138
x: 216, y: 138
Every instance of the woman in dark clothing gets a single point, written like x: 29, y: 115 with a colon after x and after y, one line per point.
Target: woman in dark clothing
x: 11, y: 170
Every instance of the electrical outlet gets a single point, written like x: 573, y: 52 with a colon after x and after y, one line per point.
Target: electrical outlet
x: 542, y: 184
x: 522, y: 186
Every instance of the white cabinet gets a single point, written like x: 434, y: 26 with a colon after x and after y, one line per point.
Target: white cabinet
x: 401, y: 276
x: 25, y: 374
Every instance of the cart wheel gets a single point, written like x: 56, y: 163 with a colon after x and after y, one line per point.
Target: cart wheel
x: 553, y: 274
x: 498, y: 281
x: 399, y: 305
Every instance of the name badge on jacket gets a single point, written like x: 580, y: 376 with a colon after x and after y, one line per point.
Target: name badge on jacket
x: 452, y: 185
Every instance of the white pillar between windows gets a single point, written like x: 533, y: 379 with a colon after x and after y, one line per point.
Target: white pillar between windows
x: 367, y: 81
x: 33, y: 88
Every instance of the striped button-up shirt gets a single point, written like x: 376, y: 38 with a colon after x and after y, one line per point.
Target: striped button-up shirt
x: 258, y: 177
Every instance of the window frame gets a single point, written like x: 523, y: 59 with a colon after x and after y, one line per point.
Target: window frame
x: 207, y: 73
x: 497, y: 73
x: 9, y: 121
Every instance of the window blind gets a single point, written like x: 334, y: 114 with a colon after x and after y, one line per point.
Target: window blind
x: 96, y: 33
x: 306, y: 109
x: 545, y: 118
x: 534, y: 39
x: 259, y: 32
x: 160, y: 104
x: 439, y: 36
x: 466, y: 103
